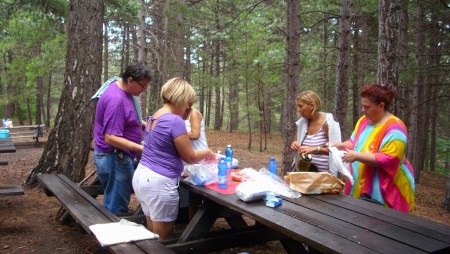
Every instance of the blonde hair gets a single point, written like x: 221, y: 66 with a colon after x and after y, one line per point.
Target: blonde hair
x: 310, y: 98
x: 177, y: 91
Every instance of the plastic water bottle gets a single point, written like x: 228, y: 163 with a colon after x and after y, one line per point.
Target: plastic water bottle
x: 229, y: 156
x: 222, y: 174
x: 273, y: 165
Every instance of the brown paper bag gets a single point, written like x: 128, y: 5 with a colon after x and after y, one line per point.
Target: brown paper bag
x: 314, y: 183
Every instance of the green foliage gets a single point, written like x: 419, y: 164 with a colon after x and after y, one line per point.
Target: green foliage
x: 442, y: 155
x: 33, y: 45
x: 124, y: 10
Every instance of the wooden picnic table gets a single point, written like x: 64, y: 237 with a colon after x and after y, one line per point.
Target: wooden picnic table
x: 7, y: 146
x: 332, y: 223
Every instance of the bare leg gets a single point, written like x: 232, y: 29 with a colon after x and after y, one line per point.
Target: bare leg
x: 149, y: 223
x: 163, y: 229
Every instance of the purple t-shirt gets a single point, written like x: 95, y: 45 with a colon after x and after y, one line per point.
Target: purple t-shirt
x: 115, y: 114
x: 160, y: 153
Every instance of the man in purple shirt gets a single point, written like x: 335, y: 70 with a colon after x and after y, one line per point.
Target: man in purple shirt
x: 118, y: 136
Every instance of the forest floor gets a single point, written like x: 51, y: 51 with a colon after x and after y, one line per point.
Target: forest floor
x: 28, y: 225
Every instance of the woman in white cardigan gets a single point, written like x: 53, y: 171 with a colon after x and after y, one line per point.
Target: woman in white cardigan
x: 314, y: 131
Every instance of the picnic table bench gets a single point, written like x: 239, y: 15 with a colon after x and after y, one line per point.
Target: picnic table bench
x: 27, y: 131
x: 11, y: 190
x: 87, y: 211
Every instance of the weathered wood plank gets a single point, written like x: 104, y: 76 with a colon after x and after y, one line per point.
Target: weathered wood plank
x: 11, y: 190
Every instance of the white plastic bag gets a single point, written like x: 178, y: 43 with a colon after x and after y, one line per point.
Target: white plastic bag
x: 277, y: 185
x: 261, y: 182
x: 344, y: 168
x: 7, y: 123
x: 251, y: 191
x: 203, y: 173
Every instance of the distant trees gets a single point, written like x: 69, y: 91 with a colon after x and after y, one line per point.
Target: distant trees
x: 241, y: 58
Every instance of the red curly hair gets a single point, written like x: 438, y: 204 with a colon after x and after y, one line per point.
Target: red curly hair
x: 377, y: 94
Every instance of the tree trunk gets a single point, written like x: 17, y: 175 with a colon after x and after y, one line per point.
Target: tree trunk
x: 68, y: 145
x: 217, y: 117
x: 401, y: 105
x: 247, y: 107
x: 11, y: 89
x: 178, y: 40
x: 142, y: 51
x: 357, y: 70
x: 446, y: 204
x: 388, y: 32
x: 106, y: 52
x: 325, y: 83
x: 292, y: 80
x: 156, y: 54
x: 342, y: 72
x: 233, y: 100
x: 39, y: 100
x: 434, y: 57
x: 49, y: 100
x: 416, y: 154
x: 19, y: 111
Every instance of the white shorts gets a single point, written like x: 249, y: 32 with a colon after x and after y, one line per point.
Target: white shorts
x: 157, y: 194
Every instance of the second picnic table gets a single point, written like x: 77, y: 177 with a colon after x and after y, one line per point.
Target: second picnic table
x: 7, y: 146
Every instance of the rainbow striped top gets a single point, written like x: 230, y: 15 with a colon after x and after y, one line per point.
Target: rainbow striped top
x: 393, y: 182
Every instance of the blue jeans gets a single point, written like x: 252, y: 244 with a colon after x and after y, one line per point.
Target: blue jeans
x: 115, y: 173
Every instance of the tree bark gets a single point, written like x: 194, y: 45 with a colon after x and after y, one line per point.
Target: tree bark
x: 156, y: 56
x: 39, y: 100
x: 446, y: 203
x: 342, y: 72
x: 292, y: 81
x: 401, y: 105
x: 68, y: 145
x: 217, y: 116
x: 106, y: 52
x: 434, y: 57
x: 388, y: 32
x: 357, y: 72
x: 417, y: 138
x: 142, y: 51
x: 49, y: 100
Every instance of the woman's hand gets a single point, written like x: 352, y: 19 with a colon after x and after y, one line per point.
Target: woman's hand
x: 211, y: 155
x: 366, y: 158
x: 295, y: 146
x: 347, y: 145
x: 308, y: 149
x: 350, y: 156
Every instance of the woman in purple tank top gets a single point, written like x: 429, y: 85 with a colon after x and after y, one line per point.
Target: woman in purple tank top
x: 166, y: 145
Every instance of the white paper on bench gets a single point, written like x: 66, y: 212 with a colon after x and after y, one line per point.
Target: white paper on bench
x: 121, y: 232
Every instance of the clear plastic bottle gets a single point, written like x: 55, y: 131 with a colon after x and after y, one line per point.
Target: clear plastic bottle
x: 273, y: 165
x: 229, y: 157
x: 222, y: 174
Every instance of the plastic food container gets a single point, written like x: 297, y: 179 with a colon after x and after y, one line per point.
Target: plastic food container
x: 4, y: 133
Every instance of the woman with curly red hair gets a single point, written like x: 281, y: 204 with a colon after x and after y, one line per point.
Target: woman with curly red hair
x: 376, y: 153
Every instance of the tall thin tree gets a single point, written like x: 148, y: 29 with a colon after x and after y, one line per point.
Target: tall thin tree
x: 342, y: 72
x: 292, y: 80
x: 388, y: 34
